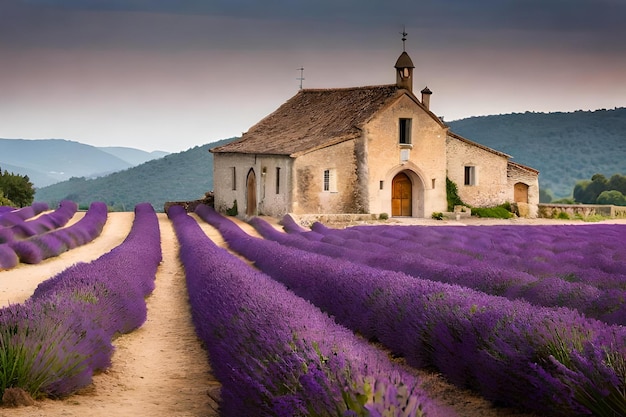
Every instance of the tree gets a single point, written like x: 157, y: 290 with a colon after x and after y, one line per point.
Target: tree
x: 599, y: 183
x: 17, y: 188
x: 618, y: 183
x: 5, y: 201
x: 580, y: 192
x: 587, y: 192
x: 612, y: 197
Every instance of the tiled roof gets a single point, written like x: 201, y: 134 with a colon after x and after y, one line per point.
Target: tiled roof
x: 313, y: 119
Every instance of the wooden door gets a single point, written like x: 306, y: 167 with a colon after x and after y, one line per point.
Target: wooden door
x: 520, y: 193
x: 251, y: 194
x: 401, y: 196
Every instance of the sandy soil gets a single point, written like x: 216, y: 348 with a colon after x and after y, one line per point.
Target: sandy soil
x: 161, y: 368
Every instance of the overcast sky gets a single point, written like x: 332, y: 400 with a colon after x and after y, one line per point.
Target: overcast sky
x: 173, y: 74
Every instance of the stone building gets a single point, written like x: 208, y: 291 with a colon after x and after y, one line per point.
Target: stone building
x: 373, y: 149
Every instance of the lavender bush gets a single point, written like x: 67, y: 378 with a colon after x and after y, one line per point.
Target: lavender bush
x: 5, y: 209
x: 275, y: 353
x: 550, y: 360
x: 54, y: 342
x: 591, y: 254
x: 16, y: 216
x: 8, y: 257
x: 39, y: 247
x: 43, y: 223
x: 490, y: 276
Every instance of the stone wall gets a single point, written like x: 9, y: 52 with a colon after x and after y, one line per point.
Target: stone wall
x: 581, y: 210
x: 425, y: 164
x: 491, y: 187
x: 309, y: 195
x: 269, y: 201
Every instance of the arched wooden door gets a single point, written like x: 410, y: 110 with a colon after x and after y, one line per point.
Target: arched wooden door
x: 401, y: 196
x: 520, y: 193
x: 251, y: 193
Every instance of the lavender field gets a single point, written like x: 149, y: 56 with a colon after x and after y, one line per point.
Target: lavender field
x: 482, y: 317
x: 338, y: 322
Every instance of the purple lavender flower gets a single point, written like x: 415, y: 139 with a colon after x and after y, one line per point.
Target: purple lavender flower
x: 275, y: 353
x: 507, y: 350
x: 60, y: 336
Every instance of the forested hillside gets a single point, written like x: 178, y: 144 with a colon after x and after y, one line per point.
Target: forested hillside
x: 564, y: 147
x: 132, y: 155
x: 180, y: 176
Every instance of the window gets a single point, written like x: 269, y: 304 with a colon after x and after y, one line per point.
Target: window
x: 382, y: 185
x: 277, y: 180
x: 405, y: 131
x: 234, y: 177
x: 470, y: 175
x: 330, y: 180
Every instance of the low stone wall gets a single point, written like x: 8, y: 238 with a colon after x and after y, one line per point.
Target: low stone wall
x: 551, y: 211
x: 190, y: 206
x: 308, y: 219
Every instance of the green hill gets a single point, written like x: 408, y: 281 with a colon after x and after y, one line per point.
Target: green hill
x: 564, y: 147
x: 179, y: 176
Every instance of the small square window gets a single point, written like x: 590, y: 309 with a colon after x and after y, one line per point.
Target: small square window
x: 470, y: 175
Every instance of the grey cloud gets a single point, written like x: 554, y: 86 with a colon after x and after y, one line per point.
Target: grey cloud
x: 287, y: 23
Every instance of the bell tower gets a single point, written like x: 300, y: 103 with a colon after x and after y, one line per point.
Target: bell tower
x: 404, y: 68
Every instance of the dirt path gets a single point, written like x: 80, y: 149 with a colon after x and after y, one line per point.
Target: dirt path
x: 159, y: 369
x: 19, y: 283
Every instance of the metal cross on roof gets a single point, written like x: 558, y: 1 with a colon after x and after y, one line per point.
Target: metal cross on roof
x: 301, y: 78
x: 403, y: 33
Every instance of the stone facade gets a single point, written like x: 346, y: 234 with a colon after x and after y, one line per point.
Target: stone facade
x: 342, y: 193
x: 423, y: 160
x: 273, y: 190
x: 373, y: 150
x: 487, y: 184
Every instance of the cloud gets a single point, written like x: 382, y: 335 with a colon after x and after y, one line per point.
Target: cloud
x: 281, y: 23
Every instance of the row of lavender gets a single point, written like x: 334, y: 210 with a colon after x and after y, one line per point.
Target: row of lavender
x: 551, y: 360
x: 413, y: 251
x: 278, y: 355
x: 54, y: 342
x: 10, y: 216
x: 40, y: 224
x: 592, y: 254
x: 42, y: 238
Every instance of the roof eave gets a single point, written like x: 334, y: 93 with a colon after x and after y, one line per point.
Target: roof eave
x: 478, y: 145
x: 524, y: 167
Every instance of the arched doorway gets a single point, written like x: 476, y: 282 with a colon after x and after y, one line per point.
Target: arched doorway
x: 520, y: 193
x: 401, y: 195
x: 251, y: 193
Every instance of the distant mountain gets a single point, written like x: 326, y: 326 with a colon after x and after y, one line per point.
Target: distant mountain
x: 35, y: 177
x: 179, y: 176
x: 133, y: 156
x: 564, y: 147
x: 48, y: 161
